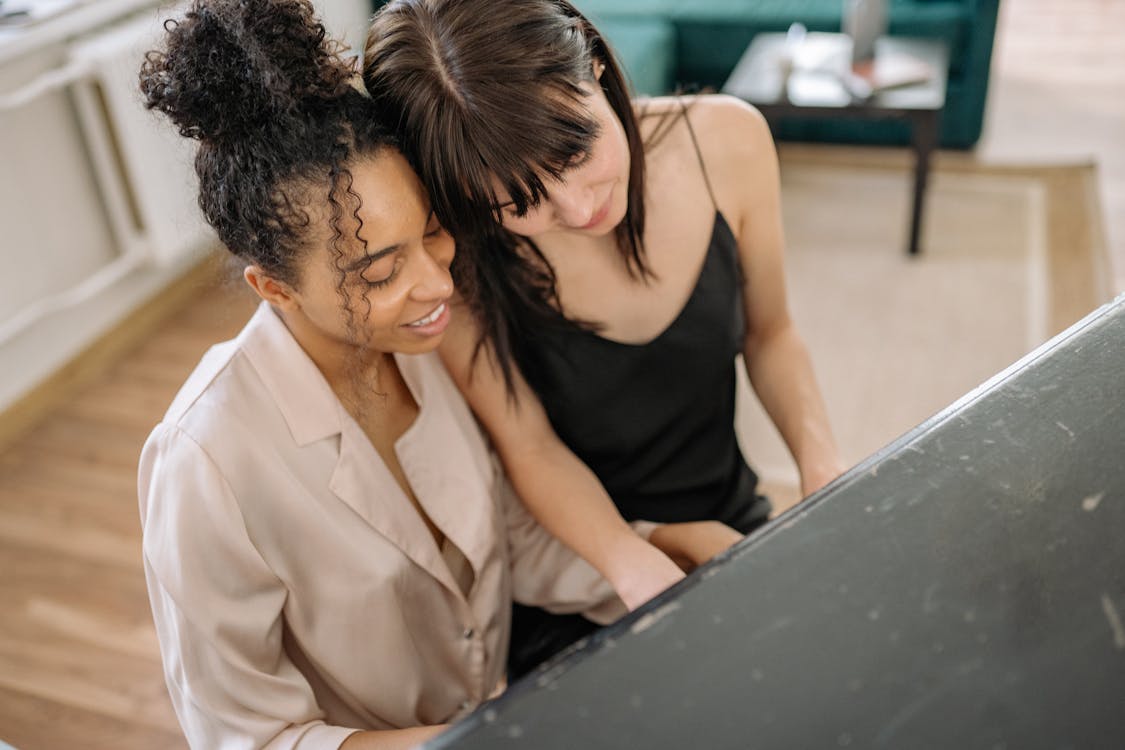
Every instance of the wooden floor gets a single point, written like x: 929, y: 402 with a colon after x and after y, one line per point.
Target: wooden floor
x: 79, y: 666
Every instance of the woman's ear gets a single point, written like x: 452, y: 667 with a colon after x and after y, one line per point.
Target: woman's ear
x: 277, y: 293
x: 599, y: 68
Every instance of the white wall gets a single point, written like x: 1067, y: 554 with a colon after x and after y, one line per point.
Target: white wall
x: 55, y: 229
x: 346, y: 20
x: 45, y: 194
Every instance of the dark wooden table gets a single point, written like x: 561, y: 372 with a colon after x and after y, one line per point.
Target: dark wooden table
x: 814, y: 89
x: 962, y: 588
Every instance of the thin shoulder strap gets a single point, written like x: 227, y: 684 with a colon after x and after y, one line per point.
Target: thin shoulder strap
x: 699, y: 155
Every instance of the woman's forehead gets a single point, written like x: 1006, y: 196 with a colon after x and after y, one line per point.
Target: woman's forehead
x: 379, y: 200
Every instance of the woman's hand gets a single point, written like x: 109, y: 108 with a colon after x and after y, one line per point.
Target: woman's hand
x: 693, y: 543
x: 392, y: 739
x: 641, y: 571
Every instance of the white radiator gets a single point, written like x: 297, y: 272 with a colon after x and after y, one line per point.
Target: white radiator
x: 143, y: 166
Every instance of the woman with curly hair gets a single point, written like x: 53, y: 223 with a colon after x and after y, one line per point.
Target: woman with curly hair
x: 330, y: 550
x: 623, y: 255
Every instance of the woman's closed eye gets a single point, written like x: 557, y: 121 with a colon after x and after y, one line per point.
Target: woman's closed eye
x: 380, y: 271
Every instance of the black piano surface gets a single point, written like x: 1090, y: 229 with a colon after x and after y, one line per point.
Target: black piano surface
x: 962, y: 588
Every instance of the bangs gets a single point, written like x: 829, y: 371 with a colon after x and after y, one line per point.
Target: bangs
x: 480, y: 153
x: 543, y: 146
x: 491, y: 98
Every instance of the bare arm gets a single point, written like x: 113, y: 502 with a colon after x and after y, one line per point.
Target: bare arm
x: 392, y: 739
x: 782, y: 376
x: 559, y: 490
x: 777, y: 361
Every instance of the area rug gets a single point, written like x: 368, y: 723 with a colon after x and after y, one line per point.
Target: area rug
x: 1010, y: 256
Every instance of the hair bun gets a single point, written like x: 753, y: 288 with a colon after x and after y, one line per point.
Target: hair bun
x: 233, y: 65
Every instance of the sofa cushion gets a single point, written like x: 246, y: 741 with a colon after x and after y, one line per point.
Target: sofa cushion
x: 646, y: 50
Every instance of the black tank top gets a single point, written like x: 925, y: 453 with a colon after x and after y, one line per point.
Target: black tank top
x: 655, y: 421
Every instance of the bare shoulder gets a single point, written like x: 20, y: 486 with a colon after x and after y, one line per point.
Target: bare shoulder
x: 656, y: 106
x: 727, y: 127
x: 732, y: 139
x: 730, y: 130
x: 735, y: 144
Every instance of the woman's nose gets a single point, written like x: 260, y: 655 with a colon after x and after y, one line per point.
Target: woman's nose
x: 435, y: 281
x: 574, y: 204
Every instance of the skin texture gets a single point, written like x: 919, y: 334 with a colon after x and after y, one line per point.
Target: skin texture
x: 593, y: 283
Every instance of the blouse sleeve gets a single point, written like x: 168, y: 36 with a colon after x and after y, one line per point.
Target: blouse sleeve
x: 546, y: 573
x: 218, y: 610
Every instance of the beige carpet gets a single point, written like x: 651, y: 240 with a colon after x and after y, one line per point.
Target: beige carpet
x: 1010, y: 256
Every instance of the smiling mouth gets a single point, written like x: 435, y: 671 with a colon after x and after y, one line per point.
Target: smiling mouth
x: 429, y: 318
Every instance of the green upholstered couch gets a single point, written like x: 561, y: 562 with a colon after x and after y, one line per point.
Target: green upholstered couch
x: 665, y: 44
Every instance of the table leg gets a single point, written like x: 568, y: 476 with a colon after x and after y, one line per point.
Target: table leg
x: 924, y: 135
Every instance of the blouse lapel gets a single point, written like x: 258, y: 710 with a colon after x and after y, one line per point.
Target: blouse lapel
x: 447, y: 463
x: 362, y: 480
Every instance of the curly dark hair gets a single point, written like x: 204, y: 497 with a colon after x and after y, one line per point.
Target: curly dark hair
x: 271, y: 100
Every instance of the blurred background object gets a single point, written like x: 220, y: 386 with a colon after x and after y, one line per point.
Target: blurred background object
x: 707, y: 38
x: 864, y: 21
x: 97, y: 195
x: 26, y: 12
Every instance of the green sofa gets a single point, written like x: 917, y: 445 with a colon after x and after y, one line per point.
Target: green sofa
x: 691, y: 44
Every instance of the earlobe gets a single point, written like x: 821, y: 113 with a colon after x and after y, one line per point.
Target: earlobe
x: 277, y: 293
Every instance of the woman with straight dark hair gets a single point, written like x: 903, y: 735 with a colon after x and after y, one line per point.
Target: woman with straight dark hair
x: 622, y: 256
x: 330, y: 550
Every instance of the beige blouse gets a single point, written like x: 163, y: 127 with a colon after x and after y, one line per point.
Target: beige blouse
x: 297, y: 594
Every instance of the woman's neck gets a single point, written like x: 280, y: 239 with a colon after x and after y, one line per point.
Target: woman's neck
x: 354, y: 373
x: 566, y: 244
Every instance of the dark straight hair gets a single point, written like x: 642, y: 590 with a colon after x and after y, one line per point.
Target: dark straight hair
x: 487, y: 92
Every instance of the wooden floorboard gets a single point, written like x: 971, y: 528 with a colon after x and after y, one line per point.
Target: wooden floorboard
x: 75, y: 728
x: 79, y: 662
